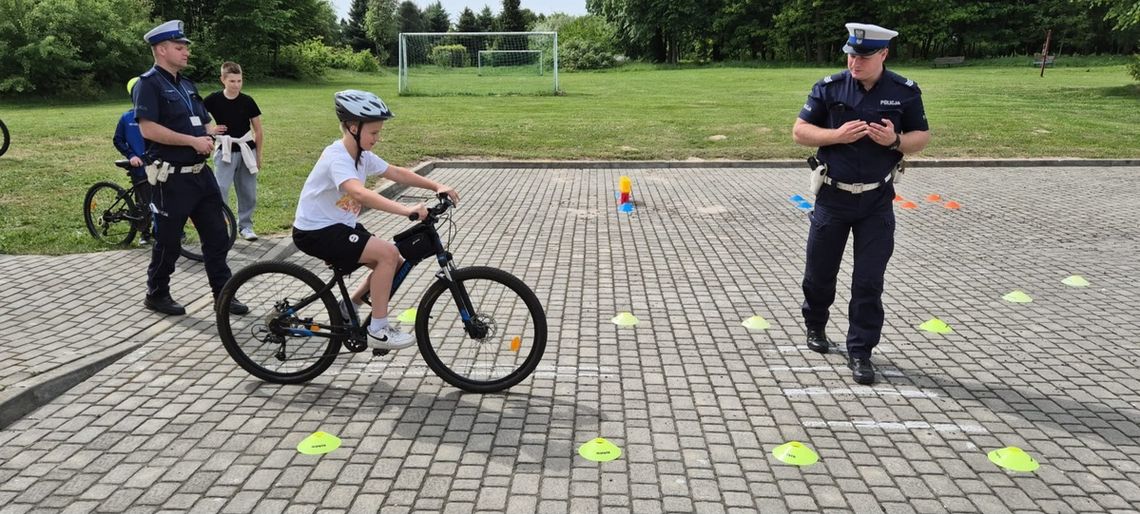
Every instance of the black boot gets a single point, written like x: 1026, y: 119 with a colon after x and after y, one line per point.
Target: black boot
x: 236, y: 307
x: 165, y: 305
x: 817, y: 340
x: 863, y: 372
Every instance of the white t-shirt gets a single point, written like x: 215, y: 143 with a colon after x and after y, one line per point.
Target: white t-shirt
x: 322, y: 203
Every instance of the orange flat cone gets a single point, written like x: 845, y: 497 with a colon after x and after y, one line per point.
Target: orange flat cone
x: 898, y: 197
x: 952, y: 205
x: 934, y: 197
x: 909, y: 205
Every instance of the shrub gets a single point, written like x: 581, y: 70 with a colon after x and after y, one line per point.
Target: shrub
x: 584, y: 55
x: 1134, y: 68
x: 450, y: 56
x: 309, y: 59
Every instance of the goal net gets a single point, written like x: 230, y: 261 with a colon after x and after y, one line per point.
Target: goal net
x: 478, y: 63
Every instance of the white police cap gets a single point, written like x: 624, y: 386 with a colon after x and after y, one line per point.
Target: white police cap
x: 169, y: 31
x: 866, y: 39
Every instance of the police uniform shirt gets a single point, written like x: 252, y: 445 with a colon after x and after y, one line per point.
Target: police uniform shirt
x: 840, y: 98
x: 172, y: 102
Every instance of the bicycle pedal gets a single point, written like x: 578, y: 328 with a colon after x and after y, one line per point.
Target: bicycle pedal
x: 379, y: 352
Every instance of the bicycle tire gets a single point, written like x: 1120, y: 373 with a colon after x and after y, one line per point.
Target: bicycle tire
x: 7, y: 138
x: 108, y: 211
x: 496, y: 297
x: 248, y: 339
x: 192, y: 246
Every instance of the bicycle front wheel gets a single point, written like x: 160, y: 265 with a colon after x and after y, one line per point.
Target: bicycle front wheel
x: 503, y: 340
x: 192, y: 242
x: 5, y: 138
x: 110, y: 213
x: 288, y: 336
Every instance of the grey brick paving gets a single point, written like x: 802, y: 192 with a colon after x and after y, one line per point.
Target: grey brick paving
x: 695, y: 401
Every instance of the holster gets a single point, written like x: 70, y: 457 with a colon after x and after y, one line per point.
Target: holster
x: 897, y: 172
x: 157, y: 171
x: 818, y: 171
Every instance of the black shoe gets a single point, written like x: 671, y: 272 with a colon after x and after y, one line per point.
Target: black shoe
x: 817, y: 340
x: 862, y: 370
x: 236, y: 307
x: 165, y: 305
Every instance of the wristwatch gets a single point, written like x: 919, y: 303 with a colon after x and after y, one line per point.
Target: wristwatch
x: 895, y: 145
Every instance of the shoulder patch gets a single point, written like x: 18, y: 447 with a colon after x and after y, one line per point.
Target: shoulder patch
x: 904, y: 81
x: 148, y: 73
x: 830, y: 79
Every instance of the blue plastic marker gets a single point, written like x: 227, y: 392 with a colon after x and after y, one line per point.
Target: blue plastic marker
x: 805, y: 205
x: 796, y: 198
x: 626, y: 207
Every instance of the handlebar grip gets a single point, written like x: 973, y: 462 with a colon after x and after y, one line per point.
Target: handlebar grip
x: 414, y: 216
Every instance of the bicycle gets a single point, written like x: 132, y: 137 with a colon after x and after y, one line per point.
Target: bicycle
x: 113, y: 217
x: 7, y: 138
x: 490, y: 339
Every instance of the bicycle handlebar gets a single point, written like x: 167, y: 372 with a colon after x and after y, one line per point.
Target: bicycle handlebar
x: 436, y: 210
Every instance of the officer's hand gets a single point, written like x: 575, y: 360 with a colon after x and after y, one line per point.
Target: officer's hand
x: 203, y: 145
x: 419, y: 209
x: 451, y: 193
x: 884, y: 133
x: 850, y: 132
x: 136, y: 161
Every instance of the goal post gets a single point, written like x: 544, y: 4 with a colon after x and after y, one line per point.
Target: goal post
x: 478, y: 63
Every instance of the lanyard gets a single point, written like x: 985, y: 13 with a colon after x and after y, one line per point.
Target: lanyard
x: 182, y: 93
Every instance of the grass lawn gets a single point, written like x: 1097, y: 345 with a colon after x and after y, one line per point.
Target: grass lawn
x: 60, y: 149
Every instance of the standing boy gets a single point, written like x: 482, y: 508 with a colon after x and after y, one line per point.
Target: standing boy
x: 239, y: 124
x: 129, y: 142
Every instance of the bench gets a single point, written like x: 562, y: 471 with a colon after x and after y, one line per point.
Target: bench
x: 1048, y: 60
x: 949, y: 61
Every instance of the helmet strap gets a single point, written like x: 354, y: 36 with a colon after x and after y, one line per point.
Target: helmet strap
x: 356, y: 138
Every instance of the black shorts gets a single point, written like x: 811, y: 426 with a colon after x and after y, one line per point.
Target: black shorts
x: 336, y: 244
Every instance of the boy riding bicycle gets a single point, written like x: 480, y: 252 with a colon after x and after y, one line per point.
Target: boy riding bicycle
x: 325, y: 225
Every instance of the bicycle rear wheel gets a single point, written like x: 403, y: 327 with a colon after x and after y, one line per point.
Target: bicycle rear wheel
x: 280, y: 340
x: 5, y: 138
x: 192, y: 242
x: 507, y: 338
x: 110, y: 213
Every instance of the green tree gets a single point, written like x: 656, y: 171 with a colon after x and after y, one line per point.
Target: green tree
x: 511, y: 19
x: 437, y: 18
x: 1126, y: 13
x: 383, y: 27
x: 354, y: 31
x: 410, y: 17
x: 467, y: 21
x: 487, y: 20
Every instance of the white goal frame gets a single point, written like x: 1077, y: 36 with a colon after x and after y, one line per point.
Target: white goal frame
x: 402, y: 73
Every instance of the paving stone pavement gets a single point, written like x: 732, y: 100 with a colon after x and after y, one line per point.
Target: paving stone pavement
x: 696, y: 401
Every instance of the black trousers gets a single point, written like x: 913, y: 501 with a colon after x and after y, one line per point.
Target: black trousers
x: 870, y: 216
x: 193, y: 196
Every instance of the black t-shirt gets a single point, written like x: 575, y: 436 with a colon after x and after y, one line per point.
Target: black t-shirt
x: 234, y: 114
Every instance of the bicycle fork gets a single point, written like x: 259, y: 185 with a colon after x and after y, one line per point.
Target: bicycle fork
x: 474, y: 326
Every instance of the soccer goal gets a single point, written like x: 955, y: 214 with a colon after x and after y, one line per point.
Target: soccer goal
x: 478, y: 63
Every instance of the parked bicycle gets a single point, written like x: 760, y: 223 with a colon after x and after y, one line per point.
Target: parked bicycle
x: 113, y: 217
x: 480, y: 329
x: 7, y: 138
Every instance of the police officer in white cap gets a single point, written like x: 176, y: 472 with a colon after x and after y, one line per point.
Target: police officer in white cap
x: 862, y: 120
x: 177, y: 130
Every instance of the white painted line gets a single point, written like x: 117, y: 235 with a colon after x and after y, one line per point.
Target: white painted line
x: 861, y: 391
x: 897, y: 426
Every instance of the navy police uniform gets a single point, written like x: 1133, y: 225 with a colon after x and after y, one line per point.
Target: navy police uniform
x: 869, y: 215
x: 190, y: 192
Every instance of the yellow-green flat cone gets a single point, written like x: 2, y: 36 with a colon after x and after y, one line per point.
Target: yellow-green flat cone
x: 796, y: 454
x: 408, y: 316
x: 936, y: 326
x: 599, y: 450
x: 318, y: 443
x: 1014, y: 459
x: 1076, y: 281
x: 1017, y: 297
x: 625, y: 319
x: 756, y: 323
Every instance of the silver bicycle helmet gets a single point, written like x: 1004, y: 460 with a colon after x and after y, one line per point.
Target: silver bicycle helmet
x: 361, y: 106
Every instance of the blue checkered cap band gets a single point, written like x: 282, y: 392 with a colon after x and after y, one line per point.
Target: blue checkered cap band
x: 168, y: 31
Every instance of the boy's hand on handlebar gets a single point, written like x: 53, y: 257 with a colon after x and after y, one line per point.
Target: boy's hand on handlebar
x: 449, y: 191
x: 136, y: 161
x: 417, y: 212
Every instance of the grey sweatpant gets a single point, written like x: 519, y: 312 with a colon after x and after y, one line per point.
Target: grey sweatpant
x: 237, y: 173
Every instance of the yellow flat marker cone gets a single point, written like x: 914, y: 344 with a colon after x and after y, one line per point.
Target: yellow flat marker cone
x: 1076, y: 281
x: 625, y: 319
x: 408, y: 316
x: 936, y: 326
x: 1014, y: 459
x: 599, y: 450
x: 318, y: 443
x: 1017, y: 297
x: 516, y: 343
x: 796, y: 454
x: 756, y: 323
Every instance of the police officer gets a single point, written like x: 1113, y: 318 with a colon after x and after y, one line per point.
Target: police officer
x: 176, y: 127
x: 863, y: 120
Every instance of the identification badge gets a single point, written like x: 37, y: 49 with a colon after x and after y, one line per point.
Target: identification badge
x: 196, y: 121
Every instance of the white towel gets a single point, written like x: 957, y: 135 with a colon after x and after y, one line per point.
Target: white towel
x: 225, y: 142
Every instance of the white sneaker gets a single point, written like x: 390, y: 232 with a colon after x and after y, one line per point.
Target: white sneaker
x: 389, y: 338
x: 248, y: 234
